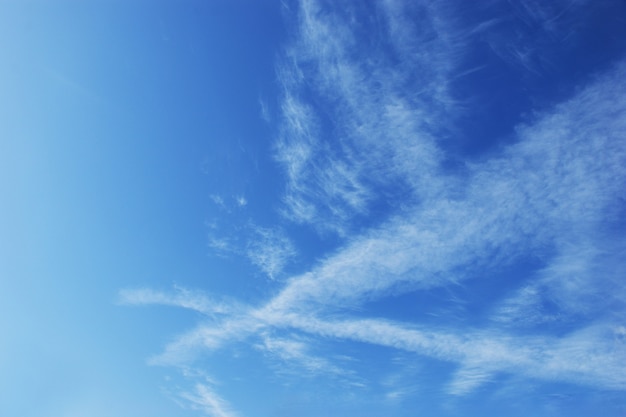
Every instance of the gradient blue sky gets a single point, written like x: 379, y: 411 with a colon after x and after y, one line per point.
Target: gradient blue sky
x: 312, y: 208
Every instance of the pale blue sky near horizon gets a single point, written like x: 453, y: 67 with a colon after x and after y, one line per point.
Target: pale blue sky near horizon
x: 314, y: 208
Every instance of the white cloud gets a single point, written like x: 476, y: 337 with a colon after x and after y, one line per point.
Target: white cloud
x: 297, y: 351
x: 241, y: 201
x: 265, y: 111
x: 554, y: 186
x: 222, y: 246
x: 206, y: 337
x: 204, y: 399
x: 182, y: 297
x: 384, y: 136
x: 219, y: 201
x: 270, y: 250
x: 551, y: 195
x: 592, y: 355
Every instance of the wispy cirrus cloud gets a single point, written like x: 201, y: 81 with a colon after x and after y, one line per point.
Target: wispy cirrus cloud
x: 363, y: 141
x: 182, y: 297
x: 581, y: 283
x: 538, y: 194
x: 296, y: 351
x: 270, y: 250
x: 203, y: 398
x: 591, y: 355
x: 382, y: 133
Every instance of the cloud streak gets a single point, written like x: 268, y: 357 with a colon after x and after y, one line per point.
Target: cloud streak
x: 204, y: 399
x: 383, y: 134
x: 364, y: 145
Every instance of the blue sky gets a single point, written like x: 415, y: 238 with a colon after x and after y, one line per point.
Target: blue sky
x: 315, y: 208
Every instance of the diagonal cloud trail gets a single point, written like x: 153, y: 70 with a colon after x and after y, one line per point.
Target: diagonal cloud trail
x: 540, y: 196
x: 563, y: 178
x: 357, y: 133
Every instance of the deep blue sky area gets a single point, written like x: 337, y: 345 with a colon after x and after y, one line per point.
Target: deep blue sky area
x: 313, y: 208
